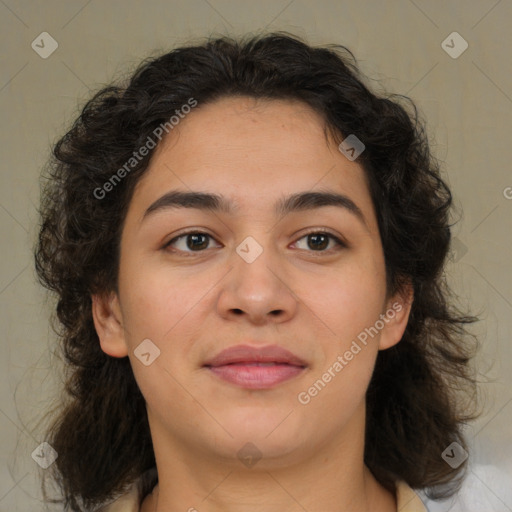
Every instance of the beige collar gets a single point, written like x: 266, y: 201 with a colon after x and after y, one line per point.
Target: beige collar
x: 407, y: 501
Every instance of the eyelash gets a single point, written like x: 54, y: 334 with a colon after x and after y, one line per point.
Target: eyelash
x: 339, y: 243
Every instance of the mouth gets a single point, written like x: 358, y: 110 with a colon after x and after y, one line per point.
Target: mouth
x: 256, y: 368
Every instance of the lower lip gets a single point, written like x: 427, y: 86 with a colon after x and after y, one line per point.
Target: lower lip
x: 256, y: 377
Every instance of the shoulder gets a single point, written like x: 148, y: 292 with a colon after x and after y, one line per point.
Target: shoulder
x: 407, y: 500
x: 128, y: 502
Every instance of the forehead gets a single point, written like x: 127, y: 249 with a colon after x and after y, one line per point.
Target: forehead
x: 239, y: 126
x: 253, y: 152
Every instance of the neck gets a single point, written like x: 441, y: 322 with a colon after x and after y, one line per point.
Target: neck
x: 330, y: 478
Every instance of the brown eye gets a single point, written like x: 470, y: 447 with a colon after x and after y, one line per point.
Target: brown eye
x: 194, y: 241
x: 318, y: 241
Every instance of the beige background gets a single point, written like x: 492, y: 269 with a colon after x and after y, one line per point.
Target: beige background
x: 467, y: 102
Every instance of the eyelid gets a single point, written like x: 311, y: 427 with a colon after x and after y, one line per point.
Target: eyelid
x: 325, y: 231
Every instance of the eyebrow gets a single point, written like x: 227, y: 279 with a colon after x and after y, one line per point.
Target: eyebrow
x: 301, y: 201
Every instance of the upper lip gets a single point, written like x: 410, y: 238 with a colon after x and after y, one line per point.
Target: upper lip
x: 248, y: 354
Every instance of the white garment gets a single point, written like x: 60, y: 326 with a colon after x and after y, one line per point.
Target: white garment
x: 486, y: 488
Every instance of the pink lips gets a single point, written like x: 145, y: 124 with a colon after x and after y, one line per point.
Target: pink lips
x: 256, y: 368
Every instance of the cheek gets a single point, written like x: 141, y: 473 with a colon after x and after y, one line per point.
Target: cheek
x: 348, y: 299
x: 154, y: 305
x: 341, y: 392
x: 352, y: 306
x: 163, y: 311
x: 166, y: 397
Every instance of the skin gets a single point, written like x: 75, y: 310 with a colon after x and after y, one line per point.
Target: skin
x: 193, y: 304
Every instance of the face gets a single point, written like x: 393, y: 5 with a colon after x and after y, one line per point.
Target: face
x: 307, y: 279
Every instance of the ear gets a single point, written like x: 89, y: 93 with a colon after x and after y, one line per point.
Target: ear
x: 396, y: 316
x: 108, y: 321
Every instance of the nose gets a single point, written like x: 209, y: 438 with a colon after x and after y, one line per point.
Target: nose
x: 257, y: 290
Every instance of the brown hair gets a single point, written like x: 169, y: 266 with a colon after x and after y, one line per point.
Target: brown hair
x: 418, y: 396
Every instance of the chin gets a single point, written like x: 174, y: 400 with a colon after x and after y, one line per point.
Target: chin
x: 271, y: 427
x: 256, y: 449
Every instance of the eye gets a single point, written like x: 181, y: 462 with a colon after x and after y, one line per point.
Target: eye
x: 198, y: 241
x: 194, y: 241
x: 319, y: 241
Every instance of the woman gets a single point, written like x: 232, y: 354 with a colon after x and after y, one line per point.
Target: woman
x: 248, y: 248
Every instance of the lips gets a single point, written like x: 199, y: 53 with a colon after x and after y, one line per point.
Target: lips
x: 246, y: 354
x: 256, y: 368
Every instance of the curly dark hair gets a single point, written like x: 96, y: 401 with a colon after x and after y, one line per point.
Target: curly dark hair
x: 420, y: 394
